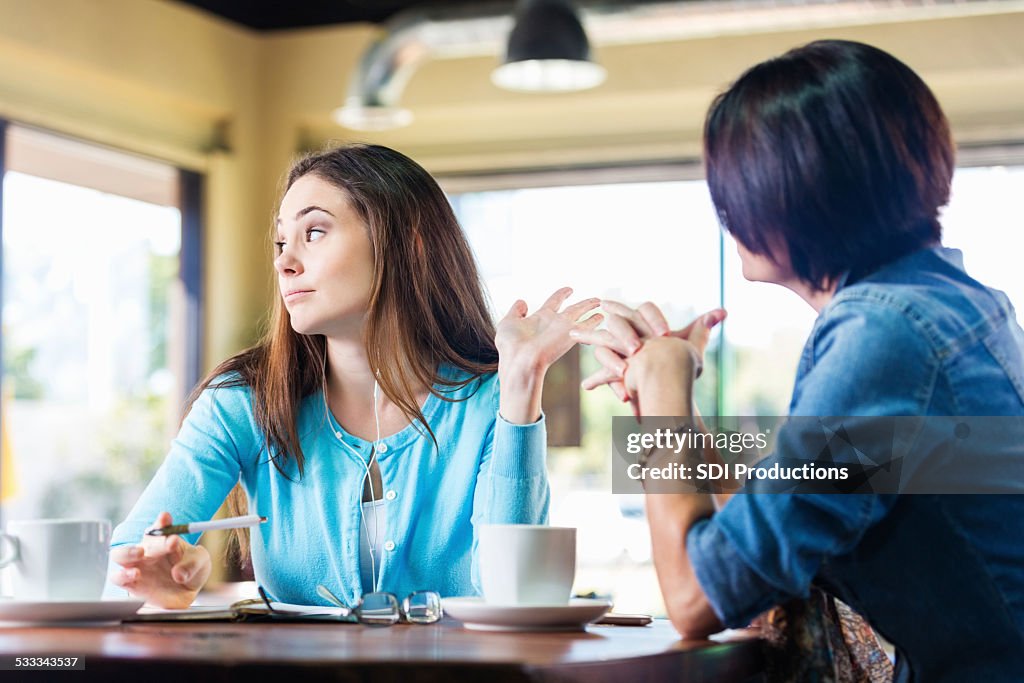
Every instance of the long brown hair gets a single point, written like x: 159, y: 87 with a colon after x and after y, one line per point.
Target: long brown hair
x: 426, y: 307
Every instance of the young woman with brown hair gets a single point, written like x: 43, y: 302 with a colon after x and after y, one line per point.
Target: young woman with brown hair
x: 381, y: 420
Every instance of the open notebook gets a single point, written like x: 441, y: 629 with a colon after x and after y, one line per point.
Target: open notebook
x: 252, y: 609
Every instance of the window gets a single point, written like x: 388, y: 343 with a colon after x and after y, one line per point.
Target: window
x: 530, y: 242
x: 95, y: 331
x: 985, y: 219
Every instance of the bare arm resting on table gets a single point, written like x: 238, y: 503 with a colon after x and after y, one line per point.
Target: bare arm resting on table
x: 654, y: 368
x: 664, y: 374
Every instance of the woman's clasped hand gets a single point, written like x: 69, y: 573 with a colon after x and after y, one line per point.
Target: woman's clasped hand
x: 637, y: 340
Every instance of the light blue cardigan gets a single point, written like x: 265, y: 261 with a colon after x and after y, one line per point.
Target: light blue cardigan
x: 487, y: 471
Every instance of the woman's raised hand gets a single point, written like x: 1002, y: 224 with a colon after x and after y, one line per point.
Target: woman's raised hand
x: 541, y: 338
x: 166, y: 571
x: 530, y: 344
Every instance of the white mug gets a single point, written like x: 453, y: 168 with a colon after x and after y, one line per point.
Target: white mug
x: 56, y: 559
x: 525, y: 564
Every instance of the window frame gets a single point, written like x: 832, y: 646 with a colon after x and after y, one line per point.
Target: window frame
x: 190, y: 271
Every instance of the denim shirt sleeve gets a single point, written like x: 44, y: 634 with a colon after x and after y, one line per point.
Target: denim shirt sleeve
x: 865, y: 356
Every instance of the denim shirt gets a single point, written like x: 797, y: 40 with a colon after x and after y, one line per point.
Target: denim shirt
x: 939, y: 576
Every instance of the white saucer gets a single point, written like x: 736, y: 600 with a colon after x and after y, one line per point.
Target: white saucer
x: 35, y: 612
x: 477, y: 615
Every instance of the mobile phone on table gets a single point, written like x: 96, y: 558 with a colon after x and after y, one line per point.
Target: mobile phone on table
x: 619, y: 619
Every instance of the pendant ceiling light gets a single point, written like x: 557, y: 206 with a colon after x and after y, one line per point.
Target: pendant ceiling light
x: 547, y: 50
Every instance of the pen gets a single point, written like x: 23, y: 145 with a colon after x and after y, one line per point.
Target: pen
x: 192, y: 527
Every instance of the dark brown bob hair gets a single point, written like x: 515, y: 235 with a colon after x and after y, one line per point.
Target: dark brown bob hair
x: 836, y: 152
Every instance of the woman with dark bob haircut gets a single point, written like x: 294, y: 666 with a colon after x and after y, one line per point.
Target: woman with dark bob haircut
x: 829, y: 166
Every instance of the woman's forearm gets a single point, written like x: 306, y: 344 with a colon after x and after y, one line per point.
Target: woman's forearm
x: 664, y: 385
x: 670, y: 516
x: 520, y: 392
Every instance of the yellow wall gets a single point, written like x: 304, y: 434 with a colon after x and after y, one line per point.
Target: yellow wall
x: 172, y: 82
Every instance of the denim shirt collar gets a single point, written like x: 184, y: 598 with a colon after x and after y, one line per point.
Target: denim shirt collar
x: 953, y: 256
x: 841, y: 280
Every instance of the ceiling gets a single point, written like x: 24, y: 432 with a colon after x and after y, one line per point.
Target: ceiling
x: 271, y: 15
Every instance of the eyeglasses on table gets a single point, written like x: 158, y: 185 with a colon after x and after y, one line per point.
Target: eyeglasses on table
x: 381, y: 608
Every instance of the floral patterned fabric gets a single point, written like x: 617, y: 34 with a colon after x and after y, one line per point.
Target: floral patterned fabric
x: 821, y: 640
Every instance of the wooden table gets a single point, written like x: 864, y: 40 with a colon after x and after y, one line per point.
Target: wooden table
x: 296, y: 653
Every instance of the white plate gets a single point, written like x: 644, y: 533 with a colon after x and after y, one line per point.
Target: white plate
x: 477, y: 615
x: 37, y: 612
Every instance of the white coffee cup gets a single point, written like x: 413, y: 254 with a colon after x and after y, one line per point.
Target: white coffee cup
x: 525, y: 564
x: 56, y: 559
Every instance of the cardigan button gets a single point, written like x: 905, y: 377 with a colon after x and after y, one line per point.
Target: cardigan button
x: 389, y: 546
x: 390, y: 495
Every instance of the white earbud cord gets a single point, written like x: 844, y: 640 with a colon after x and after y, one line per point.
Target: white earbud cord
x: 368, y: 477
